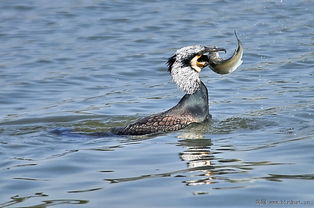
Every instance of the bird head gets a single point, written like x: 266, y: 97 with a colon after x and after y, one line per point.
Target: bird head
x: 186, y: 64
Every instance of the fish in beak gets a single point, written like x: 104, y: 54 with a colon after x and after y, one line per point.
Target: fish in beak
x: 226, y: 66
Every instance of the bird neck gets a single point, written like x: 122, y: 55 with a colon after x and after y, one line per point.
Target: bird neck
x: 195, y: 105
x: 186, y: 78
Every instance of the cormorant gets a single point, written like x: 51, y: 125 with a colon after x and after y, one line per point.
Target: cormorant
x: 184, y: 67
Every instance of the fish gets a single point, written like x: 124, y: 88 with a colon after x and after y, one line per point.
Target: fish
x: 226, y: 66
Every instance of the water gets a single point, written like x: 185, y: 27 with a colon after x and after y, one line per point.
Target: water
x: 93, y: 65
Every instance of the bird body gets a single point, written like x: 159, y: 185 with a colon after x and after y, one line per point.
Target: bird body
x: 192, y: 108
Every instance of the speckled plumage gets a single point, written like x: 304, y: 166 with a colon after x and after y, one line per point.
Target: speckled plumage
x: 155, y: 124
x: 186, y: 79
x: 188, y: 52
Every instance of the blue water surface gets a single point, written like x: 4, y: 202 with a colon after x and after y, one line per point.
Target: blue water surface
x: 94, y: 65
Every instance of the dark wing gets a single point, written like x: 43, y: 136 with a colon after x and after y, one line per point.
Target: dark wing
x: 154, y: 124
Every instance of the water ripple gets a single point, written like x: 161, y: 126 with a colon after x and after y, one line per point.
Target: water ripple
x: 88, y: 66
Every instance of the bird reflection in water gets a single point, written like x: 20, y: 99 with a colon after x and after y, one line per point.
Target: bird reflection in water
x: 197, y: 155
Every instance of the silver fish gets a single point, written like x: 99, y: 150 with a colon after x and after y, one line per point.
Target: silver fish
x: 226, y: 66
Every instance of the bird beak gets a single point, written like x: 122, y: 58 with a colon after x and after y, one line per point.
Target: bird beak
x: 214, y: 49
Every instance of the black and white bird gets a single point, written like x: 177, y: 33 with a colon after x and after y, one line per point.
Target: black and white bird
x: 185, y: 66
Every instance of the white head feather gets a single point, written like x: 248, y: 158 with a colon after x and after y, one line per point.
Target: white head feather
x: 186, y: 78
